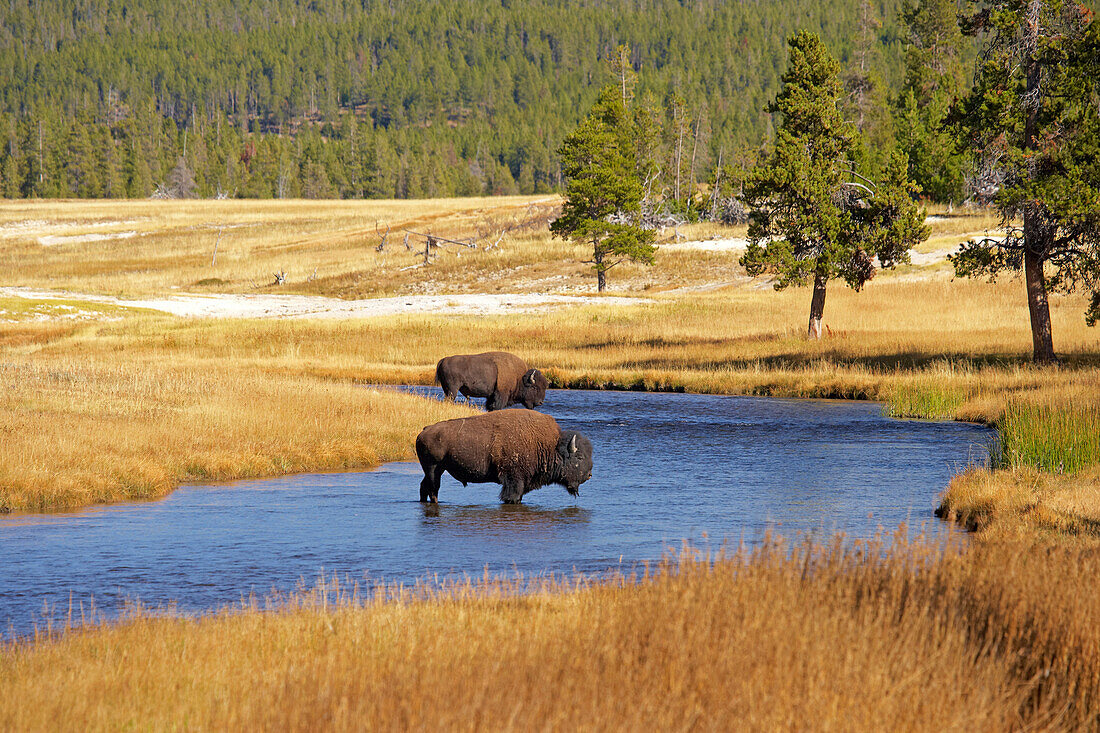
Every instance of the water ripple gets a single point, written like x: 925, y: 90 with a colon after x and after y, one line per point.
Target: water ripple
x: 669, y: 467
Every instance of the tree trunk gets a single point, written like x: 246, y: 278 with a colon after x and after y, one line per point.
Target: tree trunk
x: 1041, y: 339
x: 679, y: 147
x: 691, y: 170
x: 601, y: 274
x: 817, y: 305
x: 1042, y: 342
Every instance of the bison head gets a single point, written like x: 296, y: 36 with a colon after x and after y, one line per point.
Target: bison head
x: 532, y: 389
x: 576, y: 456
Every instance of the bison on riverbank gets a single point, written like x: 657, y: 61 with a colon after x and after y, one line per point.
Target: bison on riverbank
x: 518, y: 449
x: 501, y: 377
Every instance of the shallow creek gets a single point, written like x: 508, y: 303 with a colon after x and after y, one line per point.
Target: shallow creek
x: 668, y: 468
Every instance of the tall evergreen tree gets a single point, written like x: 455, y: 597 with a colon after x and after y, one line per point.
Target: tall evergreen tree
x: 602, y: 192
x: 12, y: 179
x: 866, y: 102
x: 813, y: 217
x: 139, y: 177
x: 32, y: 143
x: 109, y: 164
x: 934, y: 75
x: 1033, y: 107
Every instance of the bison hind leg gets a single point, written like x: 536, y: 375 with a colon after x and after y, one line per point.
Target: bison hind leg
x: 429, y: 486
x: 426, y: 490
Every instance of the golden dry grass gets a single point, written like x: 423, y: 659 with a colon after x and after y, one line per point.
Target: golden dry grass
x: 703, y: 340
x: 1020, y: 504
x: 81, y: 430
x: 136, y: 248
x: 861, y: 638
x: 170, y: 245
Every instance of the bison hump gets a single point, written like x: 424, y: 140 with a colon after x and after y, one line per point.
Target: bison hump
x: 522, y: 440
x: 510, y: 370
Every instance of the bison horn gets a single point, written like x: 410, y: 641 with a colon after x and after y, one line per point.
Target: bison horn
x: 529, y: 377
x: 573, y: 444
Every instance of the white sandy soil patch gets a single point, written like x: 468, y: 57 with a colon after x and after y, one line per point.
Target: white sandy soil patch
x: 934, y: 256
x: 53, y: 240
x: 739, y: 245
x: 312, y: 306
x: 735, y: 244
x: 43, y: 312
x: 921, y: 259
x: 40, y: 228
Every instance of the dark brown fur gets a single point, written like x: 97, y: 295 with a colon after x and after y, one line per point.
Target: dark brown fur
x: 502, y: 378
x: 519, y: 449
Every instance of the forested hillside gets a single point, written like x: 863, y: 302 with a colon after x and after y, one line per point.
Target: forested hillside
x: 394, y: 98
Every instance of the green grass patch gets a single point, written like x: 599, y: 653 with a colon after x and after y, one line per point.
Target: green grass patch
x: 940, y: 403
x: 1064, y: 439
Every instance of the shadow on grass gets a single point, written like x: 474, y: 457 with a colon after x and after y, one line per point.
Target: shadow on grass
x: 908, y: 361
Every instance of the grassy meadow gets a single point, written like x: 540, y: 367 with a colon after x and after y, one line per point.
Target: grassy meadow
x: 102, y: 403
x: 141, y: 248
x: 82, y: 431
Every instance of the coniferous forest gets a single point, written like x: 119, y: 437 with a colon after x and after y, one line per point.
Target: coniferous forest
x: 416, y: 98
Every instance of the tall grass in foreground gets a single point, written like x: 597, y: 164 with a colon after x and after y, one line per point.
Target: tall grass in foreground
x: 838, y: 637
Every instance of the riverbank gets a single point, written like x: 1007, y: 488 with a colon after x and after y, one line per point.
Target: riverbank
x: 861, y: 637
x: 85, y: 429
x: 201, y: 399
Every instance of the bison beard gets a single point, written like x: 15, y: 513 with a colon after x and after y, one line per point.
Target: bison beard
x: 502, y: 378
x: 519, y: 449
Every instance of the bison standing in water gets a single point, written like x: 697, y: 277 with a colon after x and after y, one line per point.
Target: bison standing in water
x: 501, y: 377
x: 518, y: 449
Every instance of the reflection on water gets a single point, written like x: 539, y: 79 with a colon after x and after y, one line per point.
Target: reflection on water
x: 503, y: 520
x: 668, y: 467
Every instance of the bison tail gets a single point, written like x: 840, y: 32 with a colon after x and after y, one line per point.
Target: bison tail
x: 439, y: 372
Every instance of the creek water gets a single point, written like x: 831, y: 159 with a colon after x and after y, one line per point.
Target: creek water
x: 668, y: 468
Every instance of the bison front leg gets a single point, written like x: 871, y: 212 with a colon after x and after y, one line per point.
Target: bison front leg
x: 497, y: 401
x: 512, y: 490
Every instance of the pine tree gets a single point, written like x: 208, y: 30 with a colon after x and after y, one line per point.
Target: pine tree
x: 813, y: 217
x: 12, y: 179
x: 602, y: 192
x: 32, y: 169
x: 649, y: 153
x: 933, y: 78
x: 1033, y: 108
x: 110, y: 166
x: 139, y: 178
x: 315, y: 181
x: 866, y: 102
